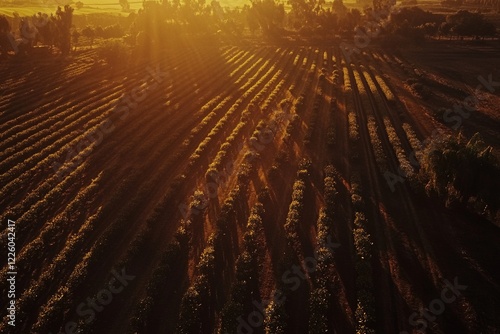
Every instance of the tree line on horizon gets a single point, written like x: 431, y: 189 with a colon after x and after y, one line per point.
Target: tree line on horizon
x: 159, y: 21
x: 53, y: 30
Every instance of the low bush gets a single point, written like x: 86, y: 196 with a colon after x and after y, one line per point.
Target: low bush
x: 114, y: 52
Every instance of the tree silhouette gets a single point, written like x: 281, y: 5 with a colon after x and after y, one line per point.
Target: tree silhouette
x: 29, y: 34
x: 63, y: 23
x: 465, y: 23
x: 4, y: 25
x: 269, y: 14
x: 5, y: 36
x: 459, y: 170
x: 45, y: 27
x: 75, y: 36
x: 89, y: 33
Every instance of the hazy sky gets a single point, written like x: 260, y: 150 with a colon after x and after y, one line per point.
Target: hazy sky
x: 223, y: 2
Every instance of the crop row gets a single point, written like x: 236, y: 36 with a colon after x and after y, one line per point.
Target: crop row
x: 215, y: 105
x: 296, y: 207
x: 249, y: 69
x: 266, y: 88
x: 385, y: 88
x: 49, y: 317
x: 194, y: 158
x: 199, y: 299
x: 176, y: 250
x: 36, y: 213
x: 194, y: 286
x: 30, y: 299
x: 36, y: 251
x: 229, y: 145
x: 366, y: 106
x: 73, y: 160
x: 349, y: 106
x: 380, y: 156
x: 415, y: 143
x: 216, y: 167
x: 212, y: 133
x: 51, y: 152
x: 321, y: 293
x: 372, y: 87
x: 304, y: 62
x: 404, y: 164
x: 53, y: 233
x: 276, y: 319
x: 391, y: 132
x: 229, y: 55
x: 175, y: 255
x: 79, y: 120
x: 331, y: 136
x: 74, y: 122
x: 243, y: 64
x: 365, y: 308
x: 218, y: 128
x: 300, y: 103
x: 35, y: 127
x: 292, y: 128
x: 34, y: 116
x: 257, y: 75
x: 337, y: 77
x: 26, y: 127
x: 296, y: 60
x: 365, y: 305
x: 272, y: 97
x: 142, y: 195
x: 318, y: 99
x: 44, y: 116
x: 365, y: 100
x: 226, y: 149
x: 245, y: 288
x: 238, y: 55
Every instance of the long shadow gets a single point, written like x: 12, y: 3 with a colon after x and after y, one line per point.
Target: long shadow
x: 485, y: 124
x: 157, y: 231
x: 451, y: 91
x: 461, y: 243
x: 38, y: 78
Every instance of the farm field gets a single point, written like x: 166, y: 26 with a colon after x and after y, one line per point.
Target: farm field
x: 226, y: 188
